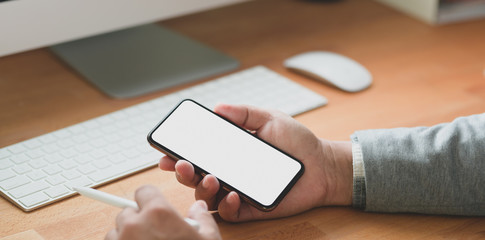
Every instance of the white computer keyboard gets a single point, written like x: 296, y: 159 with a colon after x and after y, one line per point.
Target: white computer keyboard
x: 42, y: 170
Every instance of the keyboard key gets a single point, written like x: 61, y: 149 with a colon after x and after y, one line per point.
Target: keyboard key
x: 50, y: 148
x: 83, y: 159
x: 116, y: 158
x: 127, y: 133
x: 68, y: 153
x: 19, y: 158
x: 32, y: 143
x: 99, y: 153
x: 98, y: 143
x: 63, y: 133
x: 71, y: 174
x: 131, y: 153
x: 83, y: 148
x: 113, y: 138
x: 153, y: 156
x: 114, y: 170
x: 38, y: 163
x: 79, y: 182
x: 6, y: 174
x: 52, y: 169
x: 14, y: 182
x: 21, y: 169
x: 36, y: 175
x: 34, y: 199
x: 5, y: 163
x: 4, y: 153
x: 65, y: 143
x: 86, y: 169
x: 109, y: 129
x: 53, y: 158
x: 95, y: 134
x: 56, y: 191
x: 101, y: 163
x: 113, y: 148
x: 91, y: 124
x: 81, y: 138
x: 47, y: 138
x: 55, y: 180
x: 17, y: 148
x: 145, y: 148
x: 123, y: 124
x: 68, y: 164
x: 28, y: 189
x: 36, y: 153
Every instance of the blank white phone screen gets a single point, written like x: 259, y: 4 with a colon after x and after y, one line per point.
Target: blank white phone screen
x: 227, y: 152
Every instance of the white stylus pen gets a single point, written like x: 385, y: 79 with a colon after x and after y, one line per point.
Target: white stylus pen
x: 118, y: 201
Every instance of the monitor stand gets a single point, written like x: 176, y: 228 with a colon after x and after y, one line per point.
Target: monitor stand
x: 143, y: 59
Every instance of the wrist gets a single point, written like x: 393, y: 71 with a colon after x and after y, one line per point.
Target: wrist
x: 339, y: 172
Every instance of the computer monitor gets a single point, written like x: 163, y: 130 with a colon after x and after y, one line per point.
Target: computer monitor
x: 114, y: 43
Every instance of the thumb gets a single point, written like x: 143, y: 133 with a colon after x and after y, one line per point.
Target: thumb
x: 208, y: 226
x: 248, y: 117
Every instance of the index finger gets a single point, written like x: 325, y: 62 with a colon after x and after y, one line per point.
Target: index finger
x: 147, y: 193
x: 167, y: 164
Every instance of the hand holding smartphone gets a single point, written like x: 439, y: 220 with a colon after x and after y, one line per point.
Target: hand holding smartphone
x: 260, y: 173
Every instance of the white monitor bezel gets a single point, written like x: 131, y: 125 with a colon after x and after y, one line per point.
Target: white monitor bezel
x: 32, y: 24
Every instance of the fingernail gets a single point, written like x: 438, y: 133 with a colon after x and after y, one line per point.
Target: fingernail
x: 205, y: 183
x: 231, y: 198
x: 201, y: 204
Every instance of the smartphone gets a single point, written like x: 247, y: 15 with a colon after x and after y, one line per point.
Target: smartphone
x: 260, y: 173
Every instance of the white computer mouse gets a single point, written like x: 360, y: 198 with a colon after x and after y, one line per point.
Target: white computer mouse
x: 335, y: 69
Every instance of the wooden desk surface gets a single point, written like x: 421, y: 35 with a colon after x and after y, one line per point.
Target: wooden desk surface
x: 423, y: 75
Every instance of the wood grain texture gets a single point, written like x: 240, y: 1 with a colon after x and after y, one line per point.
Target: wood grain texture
x: 423, y: 75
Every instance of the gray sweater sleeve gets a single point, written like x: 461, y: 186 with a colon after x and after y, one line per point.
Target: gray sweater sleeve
x: 433, y: 170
